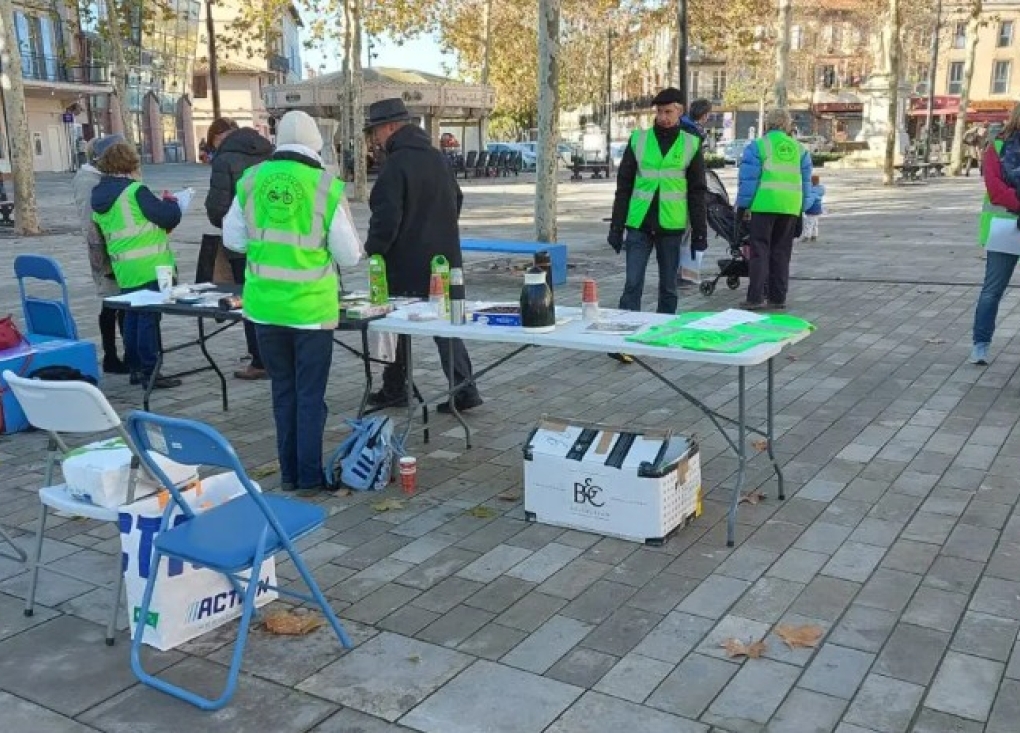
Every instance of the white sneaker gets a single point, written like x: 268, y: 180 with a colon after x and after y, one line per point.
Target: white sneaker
x: 979, y: 355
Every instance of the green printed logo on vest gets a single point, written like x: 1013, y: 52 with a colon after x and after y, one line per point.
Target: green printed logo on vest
x: 785, y: 150
x: 280, y: 193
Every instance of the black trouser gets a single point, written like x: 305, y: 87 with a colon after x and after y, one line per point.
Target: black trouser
x: 237, y: 267
x: 110, y: 321
x: 394, y: 375
x: 771, y: 250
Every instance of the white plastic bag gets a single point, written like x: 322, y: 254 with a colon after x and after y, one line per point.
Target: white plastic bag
x: 690, y: 267
x: 382, y: 346
x: 187, y: 601
x: 100, y: 472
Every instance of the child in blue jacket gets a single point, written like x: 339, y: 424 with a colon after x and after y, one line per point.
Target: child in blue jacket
x: 813, y: 210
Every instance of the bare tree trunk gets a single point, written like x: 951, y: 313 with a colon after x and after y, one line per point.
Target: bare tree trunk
x: 357, y: 106
x: 973, y: 26
x: 214, y: 72
x: 26, y: 212
x: 115, y: 29
x: 892, y: 121
x: 548, y: 118
x: 345, y: 98
x: 783, y: 51
x: 486, y: 65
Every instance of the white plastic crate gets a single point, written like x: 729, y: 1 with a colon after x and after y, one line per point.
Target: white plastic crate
x: 632, y: 483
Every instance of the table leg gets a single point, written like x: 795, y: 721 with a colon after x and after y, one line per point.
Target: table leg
x: 367, y: 362
x: 212, y: 363
x: 770, y: 429
x: 731, y: 522
x: 159, y: 363
x: 408, y: 388
x: 451, y: 400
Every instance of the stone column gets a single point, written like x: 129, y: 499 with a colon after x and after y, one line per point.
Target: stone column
x: 876, y: 95
x: 154, y: 123
x: 188, y: 125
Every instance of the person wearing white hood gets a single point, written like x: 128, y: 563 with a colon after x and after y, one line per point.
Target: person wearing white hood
x: 84, y: 181
x: 291, y: 220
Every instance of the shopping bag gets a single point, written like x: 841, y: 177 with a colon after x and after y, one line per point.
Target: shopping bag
x: 690, y: 267
x: 187, y: 601
x: 99, y: 473
x: 213, y: 265
x: 382, y: 346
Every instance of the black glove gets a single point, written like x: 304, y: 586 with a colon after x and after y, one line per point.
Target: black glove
x: 698, y: 244
x: 615, y: 239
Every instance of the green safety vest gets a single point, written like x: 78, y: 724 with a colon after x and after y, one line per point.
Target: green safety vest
x: 288, y: 209
x: 990, y: 211
x: 136, y: 246
x: 675, y: 334
x: 662, y: 174
x: 780, y: 190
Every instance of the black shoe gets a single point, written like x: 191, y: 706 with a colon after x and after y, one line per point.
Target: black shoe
x: 463, y: 403
x: 382, y: 398
x: 113, y: 365
x: 160, y: 382
x: 136, y: 378
x: 622, y: 358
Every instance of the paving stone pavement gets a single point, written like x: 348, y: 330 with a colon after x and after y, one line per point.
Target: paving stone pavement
x: 899, y: 535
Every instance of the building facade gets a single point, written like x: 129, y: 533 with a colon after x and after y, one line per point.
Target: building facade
x: 995, y: 85
x: 243, y: 77
x: 59, y: 80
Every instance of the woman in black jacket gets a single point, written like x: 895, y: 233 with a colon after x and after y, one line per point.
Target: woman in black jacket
x: 235, y: 151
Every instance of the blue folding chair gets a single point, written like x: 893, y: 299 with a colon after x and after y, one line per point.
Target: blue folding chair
x: 45, y: 316
x: 231, y: 538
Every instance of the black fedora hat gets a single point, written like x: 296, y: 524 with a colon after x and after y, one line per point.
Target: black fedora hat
x: 386, y: 110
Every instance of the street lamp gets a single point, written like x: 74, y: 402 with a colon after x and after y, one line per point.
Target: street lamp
x: 931, y: 81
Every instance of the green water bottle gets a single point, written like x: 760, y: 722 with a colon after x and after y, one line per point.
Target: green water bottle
x: 441, y: 266
x: 378, y: 288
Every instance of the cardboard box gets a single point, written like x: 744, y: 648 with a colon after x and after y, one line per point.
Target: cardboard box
x: 635, y: 484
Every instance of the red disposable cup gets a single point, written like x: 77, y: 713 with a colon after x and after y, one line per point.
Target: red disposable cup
x: 436, y: 286
x: 408, y: 474
x: 589, y: 291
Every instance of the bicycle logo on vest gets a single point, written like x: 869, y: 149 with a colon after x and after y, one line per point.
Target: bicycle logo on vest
x: 786, y: 151
x: 280, y: 194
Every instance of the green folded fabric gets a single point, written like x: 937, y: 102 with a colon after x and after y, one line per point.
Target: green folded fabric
x: 675, y: 334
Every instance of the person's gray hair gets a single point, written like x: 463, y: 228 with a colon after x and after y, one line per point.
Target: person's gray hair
x: 778, y: 119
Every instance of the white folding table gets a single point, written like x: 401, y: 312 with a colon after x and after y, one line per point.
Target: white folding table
x: 574, y: 335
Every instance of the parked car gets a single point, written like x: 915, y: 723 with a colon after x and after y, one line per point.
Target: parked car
x: 528, y: 158
x: 816, y: 144
x: 566, y: 152
x: 616, y: 151
x: 734, y: 150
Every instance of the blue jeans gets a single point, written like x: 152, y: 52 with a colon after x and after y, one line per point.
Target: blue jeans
x: 141, y: 336
x: 639, y: 247
x: 298, y: 362
x: 998, y: 271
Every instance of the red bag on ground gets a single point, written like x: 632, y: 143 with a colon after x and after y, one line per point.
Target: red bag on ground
x: 10, y: 336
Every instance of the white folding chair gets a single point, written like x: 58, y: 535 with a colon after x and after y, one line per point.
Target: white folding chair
x: 72, y: 407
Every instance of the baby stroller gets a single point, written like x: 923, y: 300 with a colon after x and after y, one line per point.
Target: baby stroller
x: 723, y: 220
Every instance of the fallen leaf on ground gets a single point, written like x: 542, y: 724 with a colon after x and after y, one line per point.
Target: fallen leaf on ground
x: 760, y: 445
x: 414, y: 659
x: 509, y: 496
x: 387, y: 505
x: 737, y: 648
x: 935, y: 341
x: 482, y: 512
x: 791, y: 357
x: 347, y: 493
x: 297, y: 622
x: 753, y: 497
x: 806, y: 636
x: 267, y: 470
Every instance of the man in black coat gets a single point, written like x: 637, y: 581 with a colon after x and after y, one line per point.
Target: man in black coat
x: 646, y: 233
x: 237, y: 150
x: 415, y: 206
